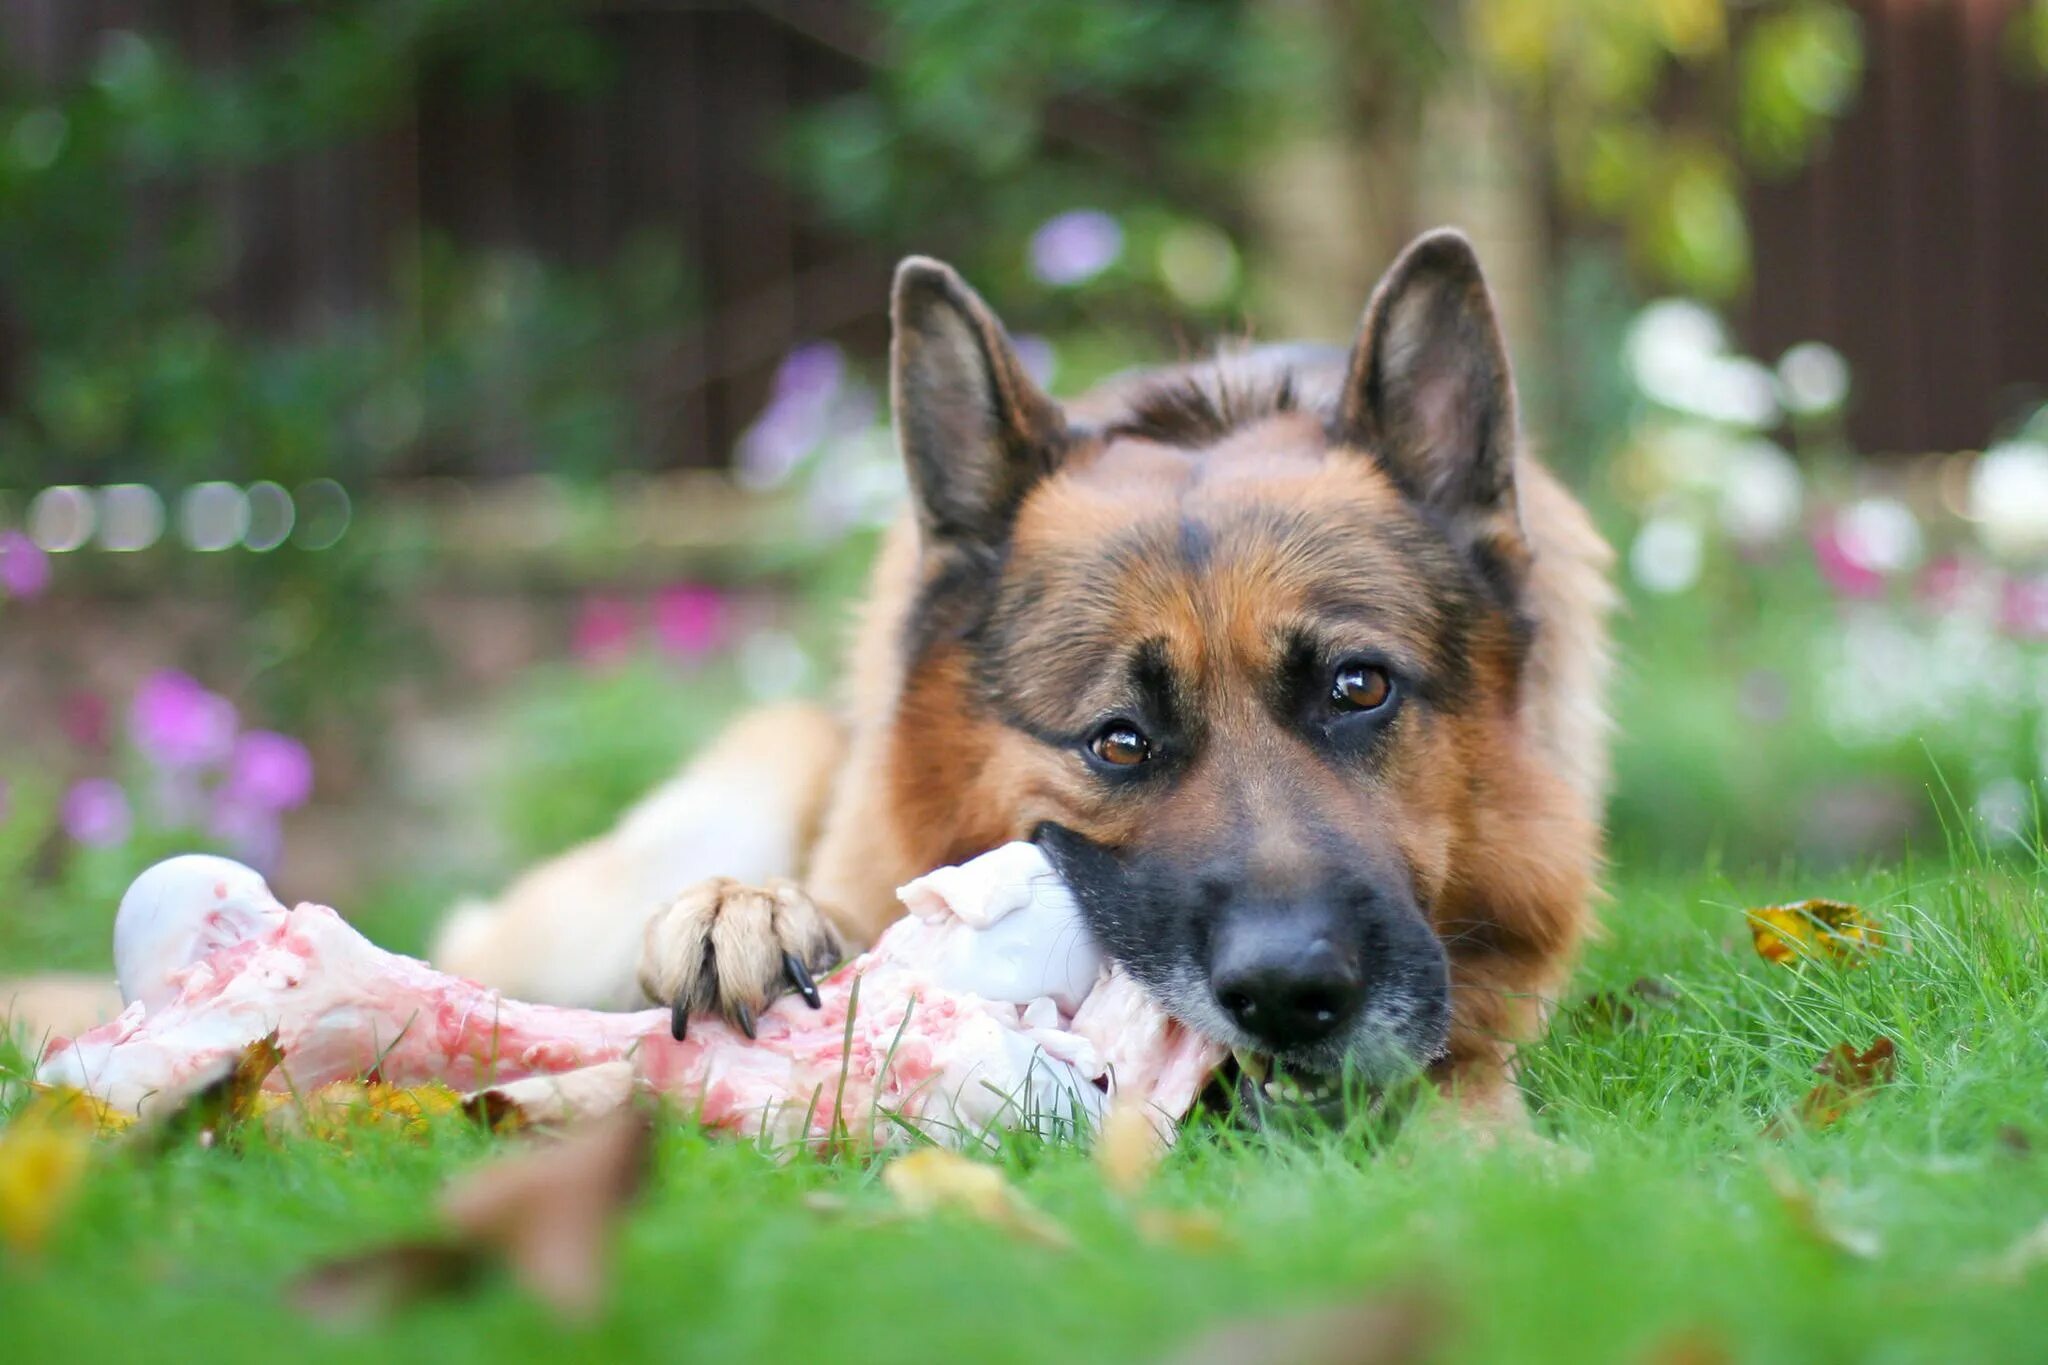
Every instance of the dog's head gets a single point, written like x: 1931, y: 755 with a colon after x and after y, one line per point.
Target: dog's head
x: 1232, y: 643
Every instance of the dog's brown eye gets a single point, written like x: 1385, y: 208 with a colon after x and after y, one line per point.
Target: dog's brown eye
x: 1361, y: 687
x: 1120, y: 745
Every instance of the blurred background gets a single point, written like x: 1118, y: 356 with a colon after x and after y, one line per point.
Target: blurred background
x: 421, y: 421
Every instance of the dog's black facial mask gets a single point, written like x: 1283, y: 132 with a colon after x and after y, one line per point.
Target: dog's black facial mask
x: 1344, y: 974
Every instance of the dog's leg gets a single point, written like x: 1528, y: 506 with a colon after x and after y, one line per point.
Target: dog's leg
x: 574, y: 930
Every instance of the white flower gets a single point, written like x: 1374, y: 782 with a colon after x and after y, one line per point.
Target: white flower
x: 1812, y: 379
x: 1678, y: 355
x: 2009, y: 498
x: 1879, y: 533
x: 1760, y: 492
x: 1667, y: 554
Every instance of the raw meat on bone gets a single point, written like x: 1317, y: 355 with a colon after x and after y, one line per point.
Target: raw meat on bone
x: 987, y: 1007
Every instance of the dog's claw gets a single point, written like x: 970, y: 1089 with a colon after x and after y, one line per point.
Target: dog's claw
x: 678, y: 1017
x: 800, y: 977
x: 743, y: 1015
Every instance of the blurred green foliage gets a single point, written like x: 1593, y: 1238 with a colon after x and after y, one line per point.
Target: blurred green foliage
x: 984, y: 119
x: 117, y: 251
x: 978, y: 122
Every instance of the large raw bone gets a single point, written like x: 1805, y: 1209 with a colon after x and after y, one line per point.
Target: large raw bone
x: 988, y: 1007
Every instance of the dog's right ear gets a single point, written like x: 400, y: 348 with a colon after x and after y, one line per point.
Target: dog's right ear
x: 976, y: 433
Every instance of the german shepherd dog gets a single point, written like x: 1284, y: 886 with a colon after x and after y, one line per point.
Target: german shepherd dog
x: 1291, y: 660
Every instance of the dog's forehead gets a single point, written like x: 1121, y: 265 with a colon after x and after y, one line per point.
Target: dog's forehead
x: 1229, y: 551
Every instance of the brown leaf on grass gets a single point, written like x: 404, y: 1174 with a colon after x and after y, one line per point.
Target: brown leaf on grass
x: 372, y: 1285
x: 547, y: 1211
x: 587, y: 1092
x: 2028, y: 1253
x: 1128, y: 1148
x: 64, y: 1106
x: 550, y: 1211
x: 1619, y: 1009
x: 1182, y: 1229
x: 1848, y: 1078
x: 339, y: 1110
x: 217, y: 1107
x: 42, y: 1162
x: 1688, y: 1347
x: 935, y: 1179
x: 1396, y: 1327
x: 1802, y: 1208
x: 1834, y: 931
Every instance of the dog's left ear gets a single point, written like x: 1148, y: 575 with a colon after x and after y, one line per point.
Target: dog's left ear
x: 976, y: 432
x: 1428, y: 394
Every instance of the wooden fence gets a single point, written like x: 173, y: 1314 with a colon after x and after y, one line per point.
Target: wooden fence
x: 1918, y: 245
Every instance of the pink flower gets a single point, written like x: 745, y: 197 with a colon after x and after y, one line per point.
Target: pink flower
x: 179, y: 724
x: 691, y: 620
x: 269, y: 771
x: 604, y: 630
x: 85, y: 721
x: 1946, y: 582
x: 2024, y: 612
x: 1844, y: 571
x: 24, y: 568
x: 95, y: 813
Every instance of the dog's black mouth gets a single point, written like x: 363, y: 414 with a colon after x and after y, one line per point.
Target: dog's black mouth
x: 1259, y: 1091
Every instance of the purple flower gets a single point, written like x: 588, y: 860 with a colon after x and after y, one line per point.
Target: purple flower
x: 24, y: 568
x: 795, y: 420
x: 691, y: 619
x: 1075, y: 247
x: 269, y: 771
x: 95, y: 813
x: 179, y: 724
x: 251, y: 833
x: 604, y: 630
x: 1037, y: 357
x: 812, y: 372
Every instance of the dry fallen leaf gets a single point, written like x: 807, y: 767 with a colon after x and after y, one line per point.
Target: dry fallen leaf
x: 2028, y: 1252
x: 217, y: 1108
x: 340, y: 1109
x: 933, y: 1179
x: 547, y: 1211
x: 64, y: 1106
x: 1128, y: 1148
x: 41, y: 1164
x: 570, y: 1096
x: 1803, y: 1208
x: 1392, y: 1328
x: 1848, y: 1078
x: 374, y: 1284
x: 1619, y: 1009
x: 1690, y: 1347
x: 550, y: 1211
x: 1832, y: 930
x: 1182, y: 1229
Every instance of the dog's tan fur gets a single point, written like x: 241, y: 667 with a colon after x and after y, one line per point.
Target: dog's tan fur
x: 1496, y: 809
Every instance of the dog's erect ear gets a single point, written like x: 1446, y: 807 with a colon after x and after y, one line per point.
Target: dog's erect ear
x: 976, y: 433
x: 1429, y: 395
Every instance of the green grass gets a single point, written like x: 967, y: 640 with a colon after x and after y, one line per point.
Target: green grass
x: 1672, y: 1229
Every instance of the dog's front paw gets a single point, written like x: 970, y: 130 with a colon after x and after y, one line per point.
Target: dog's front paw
x: 731, y: 949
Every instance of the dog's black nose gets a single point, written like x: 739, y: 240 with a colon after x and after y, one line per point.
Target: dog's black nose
x: 1286, y: 983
